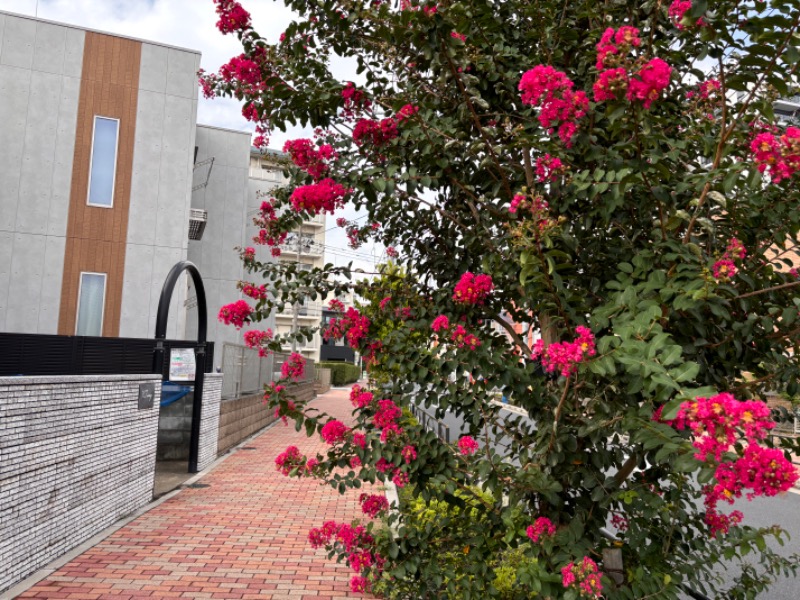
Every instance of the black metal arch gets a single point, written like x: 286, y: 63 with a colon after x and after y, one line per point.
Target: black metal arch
x: 200, y: 352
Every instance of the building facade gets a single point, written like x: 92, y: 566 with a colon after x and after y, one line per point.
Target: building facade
x: 96, y: 140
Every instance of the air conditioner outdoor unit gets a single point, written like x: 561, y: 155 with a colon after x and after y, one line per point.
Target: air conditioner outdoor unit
x: 197, y: 223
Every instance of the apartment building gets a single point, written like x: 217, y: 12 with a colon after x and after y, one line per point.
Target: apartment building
x: 97, y: 133
x: 305, y: 247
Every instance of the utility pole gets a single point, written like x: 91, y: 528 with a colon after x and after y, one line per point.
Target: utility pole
x: 297, y: 304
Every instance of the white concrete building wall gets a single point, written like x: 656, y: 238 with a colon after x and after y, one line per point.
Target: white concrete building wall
x: 158, y: 222
x: 225, y: 198
x: 40, y: 69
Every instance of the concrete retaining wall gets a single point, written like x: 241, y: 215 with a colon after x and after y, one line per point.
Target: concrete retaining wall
x: 76, y: 454
x: 242, y: 417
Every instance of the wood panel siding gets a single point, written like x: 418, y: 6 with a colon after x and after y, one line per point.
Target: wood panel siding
x: 96, y: 236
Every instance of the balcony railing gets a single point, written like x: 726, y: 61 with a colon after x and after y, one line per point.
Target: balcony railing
x: 307, y: 310
x: 309, y: 248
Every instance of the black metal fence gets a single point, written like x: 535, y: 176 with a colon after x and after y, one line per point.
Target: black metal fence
x: 39, y: 354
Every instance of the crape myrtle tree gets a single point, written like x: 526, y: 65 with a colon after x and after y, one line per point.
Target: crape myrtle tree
x: 611, y: 172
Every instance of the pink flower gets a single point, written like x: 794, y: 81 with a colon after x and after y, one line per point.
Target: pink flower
x: 360, y: 440
x: 355, y: 462
x: 613, y: 44
x: 293, y: 367
x: 408, y: 111
x: 677, y: 12
x: 359, y: 584
x: 375, y: 133
x: 473, y: 289
x: 541, y: 527
x: 583, y: 577
x: 778, y: 154
x: 236, y: 314
x: 724, y: 269
x: 620, y: 522
x: 354, y: 101
x: 256, y: 292
x: 336, y: 305
x: 255, y: 339
x: 439, y: 323
x: 232, y: 17
x: 387, y: 414
x: 400, y: 479
x: 459, y: 36
x: 547, y: 168
x: 373, y: 504
x: 736, y: 249
x: 310, y: 159
x: 515, y: 203
x: 565, y: 356
x: 652, y: 79
x: 551, y: 91
x: 383, y: 465
x: 611, y: 85
x: 409, y: 454
x: 384, y: 302
x: 334, y: 432
x: 462, y: 339
x: 249, y: 255
x: 288, y: 460
x: 324, y: 196
x: 391, y: 252
x: 467, y: 445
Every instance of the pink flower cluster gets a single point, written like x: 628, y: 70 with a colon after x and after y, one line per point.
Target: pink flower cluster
x: 243, y: 72
x: 391, y: 252
x: 382, y: 304
x: 271, y: 233
x: 473, y: 289
x: 375, y: 133
x: 354, y: 101
x: 583, y: 577
x: 614, y: 80
x: 359, y: 397
x: 406, y: 112
x: 778, y: 154
x: 334, y: 432
x: 652, y: 79
x: 409, y: 454
x: 353, y: 326
x: 236, y: 314
x: 565, y: 356
x: 537, y: 207
x: 439, y: 323
x: 678, y: 9
x: 385, y: 419
x: 293, y: 367
x: 373, y: 504
x: 309, y: 158
x: 462, y: 339
x: 256, y: 339
x: 248, y: 255
x: 541, y: 527
x: 356, y: 543
x: 289, y: 459
x: 725, y: 267
x: 467, y: 446
x: 551, y: 91
x: 409, y: 6
x: 323, y: 196
x: 706, y: 89
x: 336, y: 305
x: 273, y: 389
x: 548, y: 168
x: 716, y: 424
x: 256, y: 292
x: 458, y: 36
x: 232, y: 17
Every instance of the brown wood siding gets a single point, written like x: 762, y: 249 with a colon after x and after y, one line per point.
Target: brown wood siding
x: 96, y: 237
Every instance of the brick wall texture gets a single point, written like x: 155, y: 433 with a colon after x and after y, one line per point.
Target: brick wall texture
x: 209, y: 420
x: 76, y: 455
x: 242, y: 417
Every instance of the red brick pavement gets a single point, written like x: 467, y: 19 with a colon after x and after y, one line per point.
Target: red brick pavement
x: 243, y: 537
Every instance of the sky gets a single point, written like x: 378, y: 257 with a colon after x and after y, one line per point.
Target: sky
x: 192, y: 24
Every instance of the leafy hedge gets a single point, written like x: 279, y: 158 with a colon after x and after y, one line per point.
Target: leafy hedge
x: 342, y: 373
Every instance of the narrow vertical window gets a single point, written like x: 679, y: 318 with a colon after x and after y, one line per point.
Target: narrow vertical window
x: 103, y: 166
x: 91, y: 302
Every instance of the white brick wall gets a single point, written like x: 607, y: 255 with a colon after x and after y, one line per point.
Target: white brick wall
x: 209, y: 420
x: 76, y: 455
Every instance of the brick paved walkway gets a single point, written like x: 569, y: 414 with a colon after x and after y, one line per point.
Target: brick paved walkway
x: 242, y: 537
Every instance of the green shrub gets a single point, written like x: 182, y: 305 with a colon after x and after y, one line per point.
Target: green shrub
x: 342, y: 373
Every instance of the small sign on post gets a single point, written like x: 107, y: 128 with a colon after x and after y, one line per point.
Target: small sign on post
x: 147, y: 393
x: 182, y: 364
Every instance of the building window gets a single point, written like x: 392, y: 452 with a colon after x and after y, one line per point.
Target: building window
x: 91, y: 302
x: 103, y: 165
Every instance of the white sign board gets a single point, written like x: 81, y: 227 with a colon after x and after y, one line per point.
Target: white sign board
x: 181, y: 364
